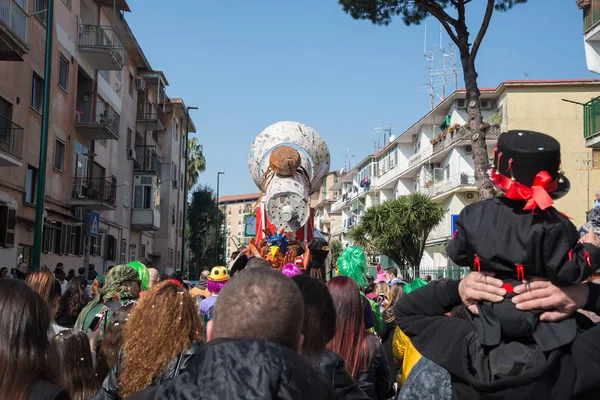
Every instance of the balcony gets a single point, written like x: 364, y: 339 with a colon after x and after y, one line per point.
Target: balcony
x: 451, y: 137
x: 98, y: 194
x: 150, y: 116
x: 11, y: 143
x: 13, y: 31
x: 97, y: 120
x: 591, y: 15
x: 454, y: 183
x: 591, y: 123
x: 146, y: 160
x: 101, y: 47
x: 440, y: 232
x: 145, y: 219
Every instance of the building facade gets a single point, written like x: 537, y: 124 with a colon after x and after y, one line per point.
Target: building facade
x: 321, y: 202
x: 236, y: 208
x: 434, y: 156
x: 107, y: 138
x: 591, y: 35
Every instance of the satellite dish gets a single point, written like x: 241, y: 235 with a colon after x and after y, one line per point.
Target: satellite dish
x: 392, y: 138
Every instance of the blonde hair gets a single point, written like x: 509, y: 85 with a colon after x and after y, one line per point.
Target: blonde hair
x: 382, y: 287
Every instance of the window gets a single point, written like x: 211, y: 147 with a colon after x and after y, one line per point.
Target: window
x: 126, y: 193
x: 170, y: 258
x: 37, y: 92
x: 183, y: 155
x: 59, y: 154
x: 176, y: 131
x: 63, y: 73
x: 129, y: 134
x: 40, y: 7
x: 96, y: 249
x: 131, y: 84
x: 111, y: 248
x: 143, y: 252
x: 173, y: 214
x: 142, y: 197
x: 75, y: 246
x: 123, y: 251
x: 105, y: 75
x: 30, y: 184
x: 174, y: 178
x: 8, y: 220
x: 51, y: 236
x: 67, y: 3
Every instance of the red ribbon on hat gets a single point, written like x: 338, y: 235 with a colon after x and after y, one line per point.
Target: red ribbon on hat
x: 536, y: 195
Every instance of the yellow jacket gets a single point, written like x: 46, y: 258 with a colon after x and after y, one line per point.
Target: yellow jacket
x: 405, y: 352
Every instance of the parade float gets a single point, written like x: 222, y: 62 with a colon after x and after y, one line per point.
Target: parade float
x: 288, y: 161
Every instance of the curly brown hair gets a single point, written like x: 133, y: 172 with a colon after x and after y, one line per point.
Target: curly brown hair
x: 164, y: 323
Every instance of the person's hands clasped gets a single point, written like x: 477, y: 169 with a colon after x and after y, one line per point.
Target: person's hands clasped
x: 480, y: 286
x: 541, y: 294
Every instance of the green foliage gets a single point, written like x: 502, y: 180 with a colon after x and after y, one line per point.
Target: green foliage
x: 203, y: 218
x: 381, y: 12
x: 399, y: 228
x: 335, y: 249
x: 196, y: 162
x: 495, y: 118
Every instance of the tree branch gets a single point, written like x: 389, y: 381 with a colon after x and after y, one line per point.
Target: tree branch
x: 484, y: 26
x: 461, y: 10
x: 442, y: 16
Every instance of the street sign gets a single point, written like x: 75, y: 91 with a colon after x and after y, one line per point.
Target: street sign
x: 94, y: 223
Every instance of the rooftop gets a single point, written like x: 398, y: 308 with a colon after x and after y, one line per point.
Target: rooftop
x: 239, y: 198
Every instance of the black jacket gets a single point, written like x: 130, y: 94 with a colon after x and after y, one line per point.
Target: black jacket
x: 43, y: 390
x: 181, y: 364
x: 330, y: 366
x: 376, y: 380
x: 498, y: 235
x: 244, y: 369
x: 570, y: 372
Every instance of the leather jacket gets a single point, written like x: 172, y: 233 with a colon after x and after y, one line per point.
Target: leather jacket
x: 181, y: 364
x: 331, y: 367
x: 376, y: 380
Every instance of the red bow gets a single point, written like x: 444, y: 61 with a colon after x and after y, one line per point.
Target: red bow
x: 536, y: 195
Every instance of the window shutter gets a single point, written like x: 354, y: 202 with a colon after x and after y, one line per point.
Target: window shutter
x: 126, y: 193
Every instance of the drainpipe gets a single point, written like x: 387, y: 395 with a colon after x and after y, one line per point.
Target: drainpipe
x: 41, y: 186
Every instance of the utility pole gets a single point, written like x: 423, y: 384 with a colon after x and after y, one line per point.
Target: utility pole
x: 185, y: 188
x: 41, y: 186
x: 217, y: 237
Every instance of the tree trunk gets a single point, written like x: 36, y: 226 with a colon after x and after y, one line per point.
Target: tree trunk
x: 477, y: 127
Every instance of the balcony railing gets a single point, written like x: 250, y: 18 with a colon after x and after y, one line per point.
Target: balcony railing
x: 591, y: 15
x: 440, y: 231
x: 149, y: 111
x: 102, y: 38
x: 99, y: 190
x: 14, y: 17
x: 447, y: 185
x: 146, y: 160
x: 591, y: 118
x: 104, y: 114
x: 11, y: 137
x: 448, y: 138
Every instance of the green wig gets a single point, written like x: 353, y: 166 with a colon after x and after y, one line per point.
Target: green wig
x: 353, y: 264
x: 143, y: 272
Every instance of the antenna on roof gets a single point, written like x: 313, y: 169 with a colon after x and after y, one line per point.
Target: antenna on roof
x: 439, y: 59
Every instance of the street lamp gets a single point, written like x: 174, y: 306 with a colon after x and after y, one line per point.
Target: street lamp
x: 41, y: 184
x: 217, y: 238
x: 185, y: 188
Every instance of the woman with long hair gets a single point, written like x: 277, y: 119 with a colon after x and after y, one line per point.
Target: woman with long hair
x: 75, y: 367
x: 389, y: 324
x: 73, y: 300
x: 113, y: 339
x: 46, y: 284
x: 362, y: 351
x: 26, y: 362
x: 162, y: 336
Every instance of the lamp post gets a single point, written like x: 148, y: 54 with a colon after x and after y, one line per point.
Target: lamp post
x: 217, y: 237
x: 41, y: 184
x: 185, y: 188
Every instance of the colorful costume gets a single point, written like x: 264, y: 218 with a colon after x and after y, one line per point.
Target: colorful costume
x: 353, y: 264
x: 291, y: 270
x: 520, y: 235
x: 216, y: 281
x: 143, y: 272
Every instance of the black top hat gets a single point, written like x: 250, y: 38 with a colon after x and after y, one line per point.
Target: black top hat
x: 521, y: 155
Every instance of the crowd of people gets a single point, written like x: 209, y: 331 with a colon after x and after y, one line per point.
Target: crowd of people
x: 521, y: 325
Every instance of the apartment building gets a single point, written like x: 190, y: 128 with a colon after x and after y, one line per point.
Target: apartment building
x: 108, y: 137
x: 321, y: 202
x: 236, y: 208
x: 433, y: 156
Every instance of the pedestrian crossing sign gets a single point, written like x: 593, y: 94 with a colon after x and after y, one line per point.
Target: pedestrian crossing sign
x: 94, y: 223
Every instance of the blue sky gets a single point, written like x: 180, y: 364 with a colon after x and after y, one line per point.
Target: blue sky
x: 248, y: 64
